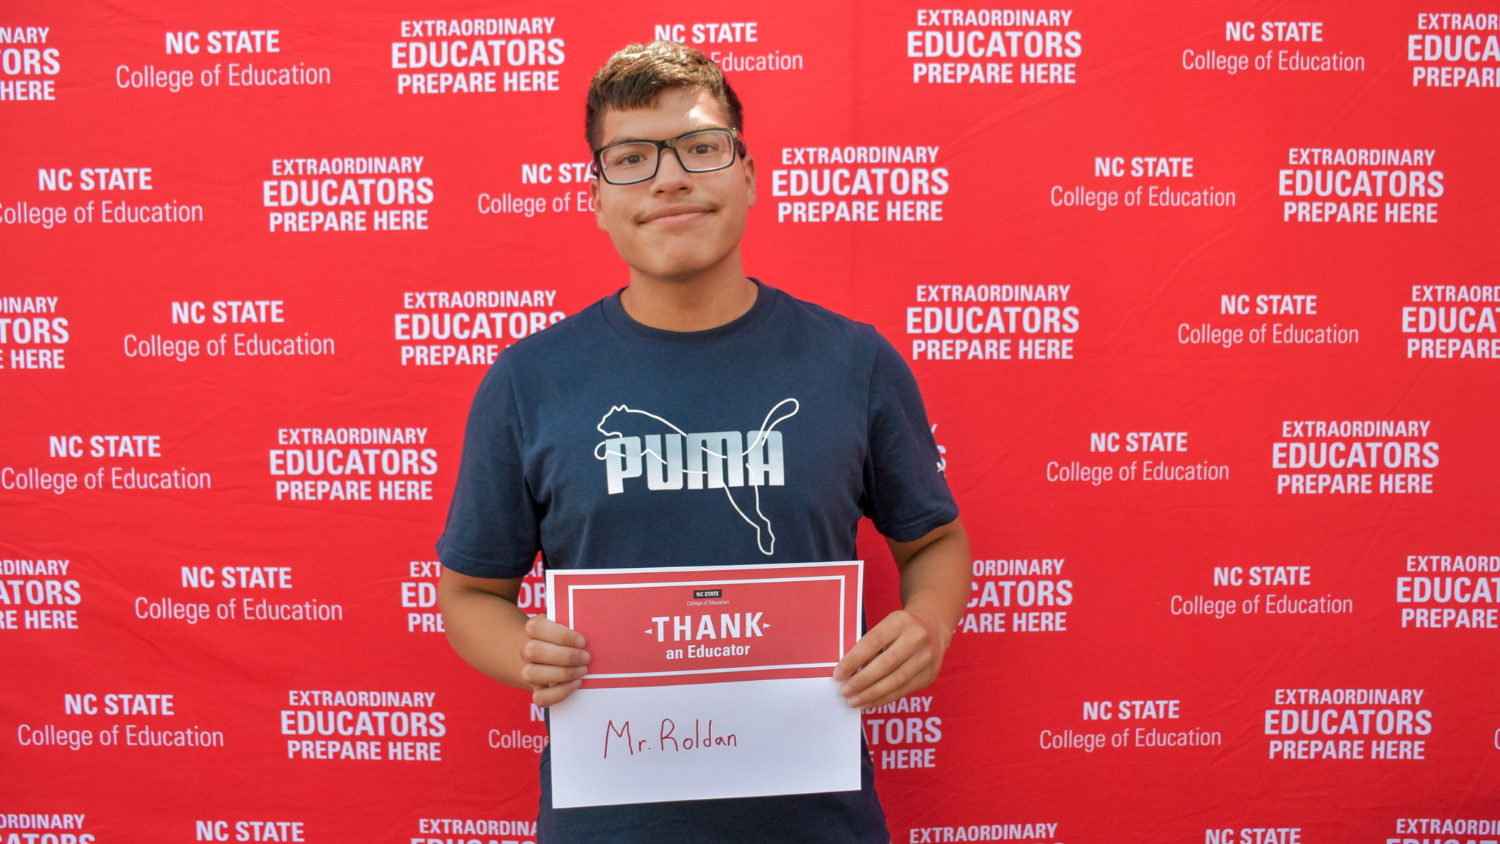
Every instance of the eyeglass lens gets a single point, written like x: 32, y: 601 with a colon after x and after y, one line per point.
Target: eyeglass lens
x: 711, y: 149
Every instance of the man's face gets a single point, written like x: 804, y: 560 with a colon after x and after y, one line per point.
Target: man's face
x: 676, y: 224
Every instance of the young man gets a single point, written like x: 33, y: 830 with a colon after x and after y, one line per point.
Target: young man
x: 813, y: 421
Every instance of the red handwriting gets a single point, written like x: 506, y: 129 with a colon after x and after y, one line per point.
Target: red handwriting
x: 700, y: 740
x: 623, y: 732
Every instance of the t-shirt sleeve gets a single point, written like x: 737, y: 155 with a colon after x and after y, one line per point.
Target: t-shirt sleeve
x: 492, y: 528
x: 906, y: 490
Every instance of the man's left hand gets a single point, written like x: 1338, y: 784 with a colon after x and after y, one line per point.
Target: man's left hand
x: 897, y: 657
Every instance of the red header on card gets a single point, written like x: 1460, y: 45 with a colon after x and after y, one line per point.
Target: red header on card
x: 710, y: 624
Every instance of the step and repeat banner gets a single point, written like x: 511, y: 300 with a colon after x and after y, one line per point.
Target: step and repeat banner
x: 1203, y: 299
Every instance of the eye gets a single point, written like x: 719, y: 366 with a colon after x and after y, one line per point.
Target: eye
x: 626, y: 157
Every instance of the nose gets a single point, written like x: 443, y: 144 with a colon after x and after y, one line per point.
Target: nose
x: 670, y: 177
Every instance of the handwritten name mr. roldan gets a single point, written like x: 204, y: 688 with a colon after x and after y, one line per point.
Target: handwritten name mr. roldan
x: 667, y: 740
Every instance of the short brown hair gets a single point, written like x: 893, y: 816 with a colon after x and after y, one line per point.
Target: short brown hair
x: 637, y: 75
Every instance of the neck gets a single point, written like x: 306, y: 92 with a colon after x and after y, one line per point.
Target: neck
x: 719, y: 295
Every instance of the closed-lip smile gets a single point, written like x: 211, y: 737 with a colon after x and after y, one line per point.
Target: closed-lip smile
x: 679, y: 213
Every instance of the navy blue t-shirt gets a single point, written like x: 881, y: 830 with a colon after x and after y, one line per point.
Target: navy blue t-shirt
x: 604, y: 443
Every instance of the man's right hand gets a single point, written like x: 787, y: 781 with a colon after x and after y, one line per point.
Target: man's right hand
x: 554, y: 660
x: 493, y: 634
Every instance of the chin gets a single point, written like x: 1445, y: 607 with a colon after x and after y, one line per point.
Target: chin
x: 677, y: 264
x: 679, y: 269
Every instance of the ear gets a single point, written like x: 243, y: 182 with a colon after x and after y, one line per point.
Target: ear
x: 749, y: 162
x: 594, y: 198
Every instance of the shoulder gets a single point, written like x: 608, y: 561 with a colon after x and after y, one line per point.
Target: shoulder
x: 558, y: 345
x: 830, y: 332
x: 538, y: 347
x: 874, y: 360
x: 551, y: 354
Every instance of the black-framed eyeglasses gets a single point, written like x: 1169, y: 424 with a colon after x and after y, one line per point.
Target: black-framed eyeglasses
x: 700, y: 151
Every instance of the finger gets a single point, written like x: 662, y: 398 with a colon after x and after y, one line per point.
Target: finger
x: 866, y: 649
x: 884, y: 663
x: 905, y: 679
x: 545, y: 675
x: 899, y: 653
x: 544, y: 628
x: 545, y: 653
x: 907, y: 635
x: 554, y: 694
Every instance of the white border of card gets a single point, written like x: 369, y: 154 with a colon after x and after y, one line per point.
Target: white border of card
x: 790, y: 735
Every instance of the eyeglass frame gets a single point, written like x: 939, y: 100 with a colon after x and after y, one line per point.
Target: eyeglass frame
x: 739, y: 150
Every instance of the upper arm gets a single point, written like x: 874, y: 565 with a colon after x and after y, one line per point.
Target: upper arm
x: 906, y: 490
x: 904, y: 551
x: 453, y: 582
x: 493, y: 528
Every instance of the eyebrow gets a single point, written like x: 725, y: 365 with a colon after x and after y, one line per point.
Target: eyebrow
x: 634, y: 138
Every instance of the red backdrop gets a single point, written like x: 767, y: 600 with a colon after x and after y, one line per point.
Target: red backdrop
x: 1202, y: 298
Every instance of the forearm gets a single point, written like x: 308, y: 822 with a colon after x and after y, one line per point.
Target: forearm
x: 935, y: 583
x: 485, y: 629
x: 905, y: 650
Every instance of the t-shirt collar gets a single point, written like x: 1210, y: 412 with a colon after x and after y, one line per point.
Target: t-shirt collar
x: 621, y: 322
